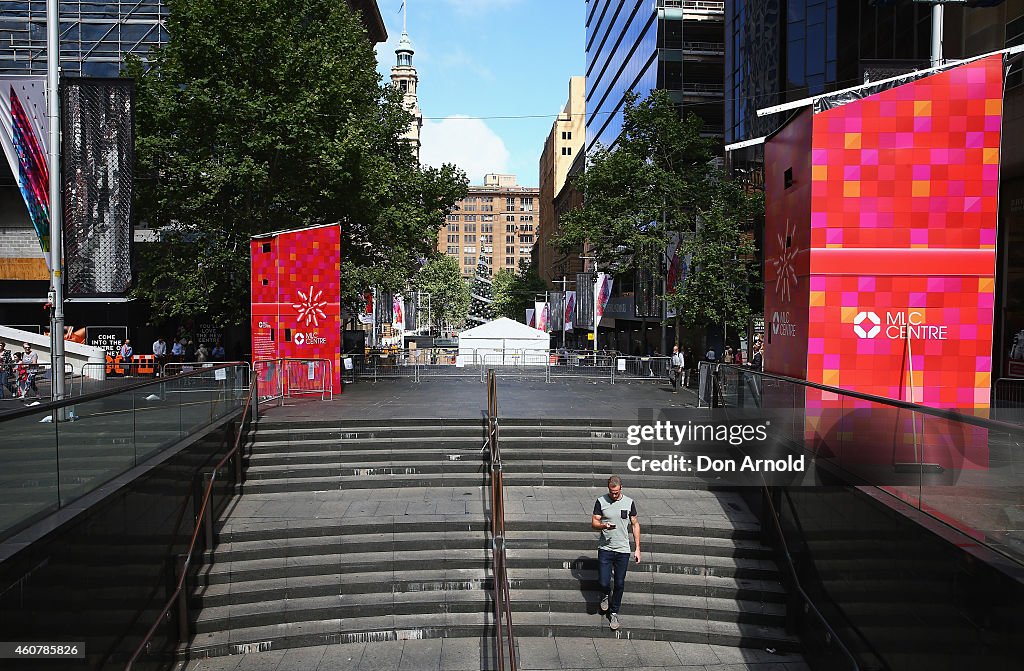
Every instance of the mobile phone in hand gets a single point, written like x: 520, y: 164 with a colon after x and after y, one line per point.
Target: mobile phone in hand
x: 611, y: 526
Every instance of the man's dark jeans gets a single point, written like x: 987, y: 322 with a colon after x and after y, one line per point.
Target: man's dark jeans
x: 606, y: 560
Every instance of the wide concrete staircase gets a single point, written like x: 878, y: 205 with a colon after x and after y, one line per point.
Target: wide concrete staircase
x: 378, y: 531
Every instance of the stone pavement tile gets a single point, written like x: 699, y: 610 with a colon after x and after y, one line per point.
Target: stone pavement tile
x: 749, y: 667
x: 730, y: 655
x: 261, y: 661
x: 301, y: 659
x: 463, y: 654
x: 363, y: 508
x: 695, y: 654
x: 341, y: 657
x: 796, y: 666
x: 577, y: 652
x: 333, y: 509
x: 422, y: 655
x: 229, y: 663
x: 538, y: 653
x: 656, y: 653
x: 392, y: 507
x: 385, y: 656
x: 616, y: 652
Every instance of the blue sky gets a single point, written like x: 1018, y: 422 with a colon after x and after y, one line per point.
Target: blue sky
x: 484, y: 59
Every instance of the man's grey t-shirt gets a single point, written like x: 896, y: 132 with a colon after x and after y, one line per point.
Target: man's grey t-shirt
x: 618, y: 513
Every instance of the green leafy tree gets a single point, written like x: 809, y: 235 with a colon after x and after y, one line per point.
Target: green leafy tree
x: 515, y: 292
x: 449, y: 293
x: 264, y: 115
x: 723, y: 271
x: 657, y: 181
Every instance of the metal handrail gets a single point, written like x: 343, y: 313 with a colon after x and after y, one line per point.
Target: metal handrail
x: 504, y: 638
x: 203, y: 520
x: 809, y: 606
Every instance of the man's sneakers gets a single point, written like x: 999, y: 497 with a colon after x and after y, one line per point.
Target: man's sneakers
x: 613, y: 621
x: 604, y: 604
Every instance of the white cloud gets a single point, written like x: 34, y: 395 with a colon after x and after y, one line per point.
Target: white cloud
x: 466, y: 142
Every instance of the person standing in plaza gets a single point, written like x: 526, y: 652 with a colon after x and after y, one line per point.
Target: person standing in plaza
x: 678, y: 364
x: 178, y: 351
x: 6, y: 371
x: 160, y: 354
x: 615, y: 517
x: 31, y: 362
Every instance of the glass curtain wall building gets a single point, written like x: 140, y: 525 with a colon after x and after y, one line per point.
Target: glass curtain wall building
x: 94, y: 36
x: 640, y: 45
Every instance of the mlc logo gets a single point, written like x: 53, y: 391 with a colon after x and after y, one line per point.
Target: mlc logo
x: 299, y: 338
x: 873, y: 329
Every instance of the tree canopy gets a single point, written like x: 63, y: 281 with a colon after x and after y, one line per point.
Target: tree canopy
x: 449, y: 293
x: 515, y: 292
x: 264, y: 115
x: 659, y: 181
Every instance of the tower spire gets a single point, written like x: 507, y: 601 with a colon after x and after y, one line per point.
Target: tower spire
x: 405, y: 14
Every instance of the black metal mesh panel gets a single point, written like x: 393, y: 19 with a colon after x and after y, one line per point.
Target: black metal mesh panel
x: 584, y: 301
x: 647, y: 302
x: 98, y: 161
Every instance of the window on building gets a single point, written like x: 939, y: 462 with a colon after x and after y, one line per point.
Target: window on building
x: 510, y: 228
x: 453, y: 250
x: 453, y: 217
x: 404, y: 85
x: 566, y: 134
x: 470, y: 217
x: 566, y: 151
x: 526, y: 204
x: 510, y: 217
x: 469, y: 228
x: 486, y: 238
x: 453, y: 228
x: 486, y: 217
x: 453, y: 238
x: 525, y: 238
x: 471, y: 249
x: 470, y: 261
x: 510, y: 261
x: 487, y: 208
x: 510, y: 249
x: 510, y: 204
x: 486, y: 228
x: 510, y: 239
x: 469, y: 238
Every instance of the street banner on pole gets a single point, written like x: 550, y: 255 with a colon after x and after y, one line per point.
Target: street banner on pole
x: 542, y: 316
x: 602, y: 292
x: 570, y: 307
x: 531, y: 315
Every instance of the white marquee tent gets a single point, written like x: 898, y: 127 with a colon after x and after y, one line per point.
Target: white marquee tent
x: 504, y: 342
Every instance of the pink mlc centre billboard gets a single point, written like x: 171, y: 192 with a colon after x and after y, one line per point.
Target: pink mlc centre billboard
x: 296, y: 308
x: 880, y: 249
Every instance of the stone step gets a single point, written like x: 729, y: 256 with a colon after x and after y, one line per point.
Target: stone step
x: 655, y: 545
x: 475, y: 579
x: 348, y: 606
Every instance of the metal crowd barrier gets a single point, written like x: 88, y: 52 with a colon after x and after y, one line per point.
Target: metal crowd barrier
x: 1007, y: 393
x: 41, y: 377
x: 287, y: 378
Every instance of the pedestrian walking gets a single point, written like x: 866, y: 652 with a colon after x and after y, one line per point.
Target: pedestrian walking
x: 7, y: 380
x: 31, y: 362
x: 678, y: 365
x: 727, y: 356
x: 757, y: 360
x: 615, y: 516
x: 126, y: 351
x: 21, y: 375
x: 217, y: 353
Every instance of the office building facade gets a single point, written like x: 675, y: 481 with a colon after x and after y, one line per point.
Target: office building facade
x: 496, y: 221
x: 564, y: 146
x: 640, y: 45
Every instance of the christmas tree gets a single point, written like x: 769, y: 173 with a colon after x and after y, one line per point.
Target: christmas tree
x: 480, y: 310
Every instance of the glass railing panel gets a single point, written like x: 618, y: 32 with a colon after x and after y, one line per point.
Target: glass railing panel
x: 157, y: 420
x: 95, y: 444
x: 29, y: 478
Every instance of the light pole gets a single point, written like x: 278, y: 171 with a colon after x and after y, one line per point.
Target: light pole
x: 56, y: 293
